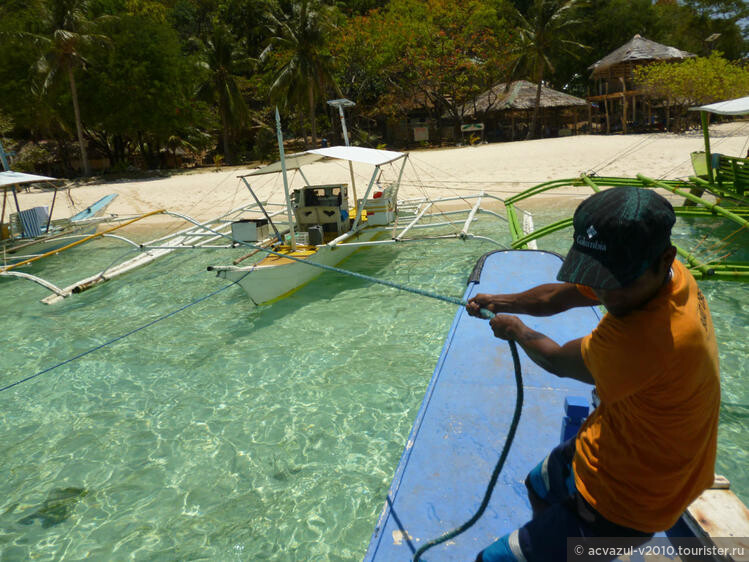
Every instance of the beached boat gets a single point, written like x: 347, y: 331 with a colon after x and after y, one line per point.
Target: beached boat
x: 468, y: 410
x: 31, y: 232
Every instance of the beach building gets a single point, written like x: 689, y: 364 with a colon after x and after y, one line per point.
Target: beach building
x: 501, y: 113
x: 505, y: 111
x: 616, y: 103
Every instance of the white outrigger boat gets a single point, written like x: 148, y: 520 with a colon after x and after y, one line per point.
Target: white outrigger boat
x: 323, y: 228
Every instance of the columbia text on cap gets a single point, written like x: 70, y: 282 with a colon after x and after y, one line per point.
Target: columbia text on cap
x: 619, y: 233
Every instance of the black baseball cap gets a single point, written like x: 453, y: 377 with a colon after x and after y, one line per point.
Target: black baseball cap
x: 619, y: 232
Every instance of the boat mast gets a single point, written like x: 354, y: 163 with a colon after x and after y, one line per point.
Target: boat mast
x: 340, y: 104
x: 279, y: 134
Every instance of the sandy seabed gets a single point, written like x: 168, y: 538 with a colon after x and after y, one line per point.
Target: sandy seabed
x: 499, y: 169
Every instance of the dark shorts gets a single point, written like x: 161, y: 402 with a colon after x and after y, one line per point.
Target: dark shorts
x: 561, y: 512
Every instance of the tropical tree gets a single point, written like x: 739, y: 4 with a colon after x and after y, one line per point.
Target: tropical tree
x: 546, y: 28
x: 436, y: 54
x: 224, y: 61
x: 299, y: 37
x: 66, y: 34
x: 146, y: 76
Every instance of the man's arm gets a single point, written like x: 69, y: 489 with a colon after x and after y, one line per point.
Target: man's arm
x: 564, y: 361
x: 543, y: 300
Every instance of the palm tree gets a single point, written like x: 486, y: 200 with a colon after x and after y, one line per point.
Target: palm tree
x: 302, y: 35
x: 67, y: 32
x: 224, y: 61
x: 546, y: 30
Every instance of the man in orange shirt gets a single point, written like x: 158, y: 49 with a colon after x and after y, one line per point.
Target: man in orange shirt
x: 648, y: 450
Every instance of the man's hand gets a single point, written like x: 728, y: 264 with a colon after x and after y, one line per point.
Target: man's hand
x: 481, y: 300
x: 543, y: 300
x: 507, y: 327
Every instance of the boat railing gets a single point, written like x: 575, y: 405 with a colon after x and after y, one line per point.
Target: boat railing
x: 734, y: 172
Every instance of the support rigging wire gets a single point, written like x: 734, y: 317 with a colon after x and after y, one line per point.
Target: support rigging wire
x: 398, y: 286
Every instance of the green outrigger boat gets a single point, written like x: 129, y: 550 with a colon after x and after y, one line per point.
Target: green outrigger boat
x: 717, y: 191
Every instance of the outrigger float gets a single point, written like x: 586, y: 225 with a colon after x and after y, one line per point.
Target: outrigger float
x: 460, y: 430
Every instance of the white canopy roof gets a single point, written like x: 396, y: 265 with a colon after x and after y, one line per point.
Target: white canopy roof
x: 739, y: 106
x: 351, y: 153
x: 16, y: 178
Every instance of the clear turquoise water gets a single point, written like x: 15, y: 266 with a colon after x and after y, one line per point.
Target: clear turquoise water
x: 237, y: 432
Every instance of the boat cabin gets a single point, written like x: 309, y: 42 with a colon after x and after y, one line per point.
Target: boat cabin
x: 322, y: 208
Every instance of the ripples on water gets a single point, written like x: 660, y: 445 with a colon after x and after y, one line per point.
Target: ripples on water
x: 237, y: 432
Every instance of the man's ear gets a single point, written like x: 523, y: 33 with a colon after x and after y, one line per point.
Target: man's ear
x: 668, y: 257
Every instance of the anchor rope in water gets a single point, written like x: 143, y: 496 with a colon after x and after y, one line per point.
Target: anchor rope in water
x: 398, y: 286
x: 116, y: 339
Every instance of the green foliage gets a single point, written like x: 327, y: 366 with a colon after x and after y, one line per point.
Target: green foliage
x: 6, y: 124
x: 145, y: 77
x: 178, y: 74
x: 246, y: 19
x: 33, y: 158
x: 223, y: 61
x: 299, y: 51
x: 696, y: 81
x: 265, y: 145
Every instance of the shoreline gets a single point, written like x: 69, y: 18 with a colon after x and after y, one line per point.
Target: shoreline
x: 499, y: 169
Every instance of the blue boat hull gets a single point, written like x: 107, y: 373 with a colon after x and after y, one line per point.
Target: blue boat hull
x: 464, y: 418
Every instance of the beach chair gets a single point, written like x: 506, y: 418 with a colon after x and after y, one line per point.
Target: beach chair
x: 34, y: 221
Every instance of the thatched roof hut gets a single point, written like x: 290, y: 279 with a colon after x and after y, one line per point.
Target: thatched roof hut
x: 637, y: 51
x: 506, y: 110
x: 520, y: 95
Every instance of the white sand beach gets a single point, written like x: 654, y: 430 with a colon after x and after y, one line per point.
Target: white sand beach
x: 501, y: 169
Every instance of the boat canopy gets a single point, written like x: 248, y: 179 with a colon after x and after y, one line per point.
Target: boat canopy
x: 739, y: 106
x: 351, y: 153
x: 16, y: 178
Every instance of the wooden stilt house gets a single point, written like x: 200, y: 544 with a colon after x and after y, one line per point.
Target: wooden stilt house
x: 617, y: 105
